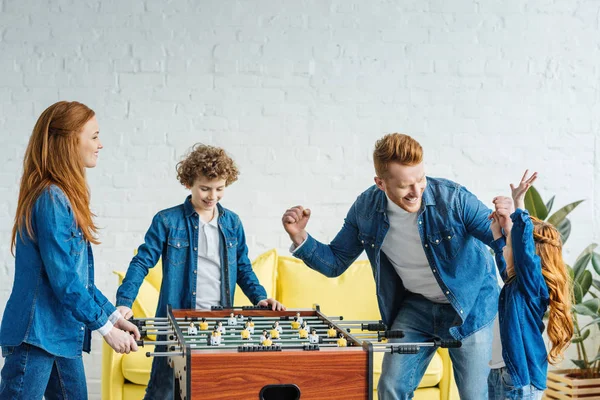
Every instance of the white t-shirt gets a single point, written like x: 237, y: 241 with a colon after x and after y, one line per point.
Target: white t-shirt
x: 402, y: 246
x: 208, y: 284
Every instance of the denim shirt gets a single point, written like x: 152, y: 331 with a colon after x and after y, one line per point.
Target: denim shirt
x: 453, y: 225
x: 54, y: 303
x: 523, y: 302
x: 173, y: 235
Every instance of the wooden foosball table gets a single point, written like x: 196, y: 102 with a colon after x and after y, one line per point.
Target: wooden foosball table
x: 257, y: 353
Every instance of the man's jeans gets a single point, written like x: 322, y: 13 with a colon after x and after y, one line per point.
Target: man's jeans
x: 500, y: 387
x: 32, y: 373
x: 160, y: 386
x: 421, y: 321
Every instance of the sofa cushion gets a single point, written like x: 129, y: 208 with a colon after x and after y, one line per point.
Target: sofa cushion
x: 136, y: 366
x: 351, y: 295
x: 264, y: 268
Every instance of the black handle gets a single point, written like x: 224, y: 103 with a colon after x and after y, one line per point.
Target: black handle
x: 405, y: 349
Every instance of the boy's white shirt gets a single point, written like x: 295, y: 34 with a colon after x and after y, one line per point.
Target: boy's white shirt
x: 208, y: 279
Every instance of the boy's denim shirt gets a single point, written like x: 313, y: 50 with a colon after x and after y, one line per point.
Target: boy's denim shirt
x: 453, y: 225
x: 174, y: 236
x: 523, y: 302
x: 54, y: 303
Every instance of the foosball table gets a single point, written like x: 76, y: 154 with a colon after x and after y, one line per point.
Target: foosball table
x: 257, y: 353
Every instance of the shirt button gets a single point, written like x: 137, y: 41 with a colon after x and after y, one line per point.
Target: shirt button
x: 194, y: 293
x: 373, y: 245
x: 447, y: 292
x: 195, y: 248
x: 195, y: 227
x: 437, y: 241
x: 434, y: 271
x: 419, y: 222
x: 194, y: 271
x: 426, y: 245
x: 362, y: 241
x: 461, y: 311
x: 449, y: 237
x: 83, y: 328
x: 178, y: 245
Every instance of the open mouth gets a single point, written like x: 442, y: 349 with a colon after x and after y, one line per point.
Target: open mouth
x: 411, y: 199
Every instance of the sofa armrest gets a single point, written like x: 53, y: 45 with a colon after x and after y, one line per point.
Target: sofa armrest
x: 112, y: 375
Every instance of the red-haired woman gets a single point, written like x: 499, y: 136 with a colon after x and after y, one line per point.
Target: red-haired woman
x: 54, y: 304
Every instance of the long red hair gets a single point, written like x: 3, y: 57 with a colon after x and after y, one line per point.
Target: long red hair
x: 52, y: 158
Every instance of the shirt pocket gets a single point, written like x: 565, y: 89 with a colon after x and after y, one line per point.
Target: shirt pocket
x: 367, y: 241
x: 445, y: 244
x: 77, y: 242
x: 231, y: 244
x: 177, y: 251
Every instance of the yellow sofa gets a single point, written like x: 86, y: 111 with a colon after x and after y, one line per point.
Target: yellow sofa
x: 352, y: 295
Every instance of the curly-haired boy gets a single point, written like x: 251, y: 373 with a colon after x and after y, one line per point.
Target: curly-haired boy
x: 203, y: 249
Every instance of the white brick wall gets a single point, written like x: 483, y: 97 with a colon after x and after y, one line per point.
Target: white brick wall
x: 297, y: 92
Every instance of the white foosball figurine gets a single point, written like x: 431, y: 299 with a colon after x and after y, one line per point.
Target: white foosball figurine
x: 313, y: 337
x: 240, y: 319
x: 277, y: 327
x: 304, y: 325
x: 250, y: 325
x: 300, y: 319
x: 192, y: 330
x: 231, y: 321
x: 215, y: 338
x: 220, y: 327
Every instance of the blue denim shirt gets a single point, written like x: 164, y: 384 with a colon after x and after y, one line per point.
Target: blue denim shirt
x: 523, y: 302
x: 54, y: 303
x: 453, y: 225
x: 174, y: 236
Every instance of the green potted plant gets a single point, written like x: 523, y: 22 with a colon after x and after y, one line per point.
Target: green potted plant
x: 585, y: 379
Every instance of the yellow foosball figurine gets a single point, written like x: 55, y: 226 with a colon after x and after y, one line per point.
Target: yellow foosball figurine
x: 203, y: 325
x: 295, y: 323
x: 342, y: 342
x: 245, y: 334
x: 303, y: 334
x: 274, y: 333
x: 265, y: 339
x: 250, y: 324
x: 331, y: 333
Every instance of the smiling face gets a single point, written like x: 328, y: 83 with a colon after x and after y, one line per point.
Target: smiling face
x: 404, y: 185
x: 206, y: 193
x: 89, y: 143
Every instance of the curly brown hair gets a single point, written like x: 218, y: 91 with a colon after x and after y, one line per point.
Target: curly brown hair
x: 209, y: 161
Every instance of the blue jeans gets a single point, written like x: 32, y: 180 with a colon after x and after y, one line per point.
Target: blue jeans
x: 500, y: 387
x: 422, y: 320
x: 32, y: 373
x: 160, y: 386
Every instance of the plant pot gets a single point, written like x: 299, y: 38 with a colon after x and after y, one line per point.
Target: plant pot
x: 566, y: 384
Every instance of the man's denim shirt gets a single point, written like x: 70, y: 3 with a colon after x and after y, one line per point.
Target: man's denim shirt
x: 174, y: 236
x: 54, y: 304
x: 523, y: 302
x: 454, y: 228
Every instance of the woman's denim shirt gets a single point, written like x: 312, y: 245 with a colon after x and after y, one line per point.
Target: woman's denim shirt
x: 54, y: 304
x: 173, y: 235
x: 523, y: 302
x: 454, y: 229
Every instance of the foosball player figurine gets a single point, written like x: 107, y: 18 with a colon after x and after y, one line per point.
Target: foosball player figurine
x: 295, y: 323
x: 203, y: 324
x: 192, y: 330
x: 215, y: 338
x: 274, y: 332
x: 342, y: 342
x: 231, y: 321
x: 304, y: 325
x: 245, y: 334
x: 266, y: 340
x: 278, y: 327
x: 240, y: 319
x: 331, y: 333
x: 300, y: 319
x: 220, y: 327
x: 250, y: 325
x: 303, y: 333
x: 313, y: 337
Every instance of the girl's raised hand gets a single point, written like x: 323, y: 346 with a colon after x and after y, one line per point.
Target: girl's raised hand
x: 518, y: 192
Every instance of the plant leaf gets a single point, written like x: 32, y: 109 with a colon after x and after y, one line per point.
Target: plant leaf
x: 534, y: 204
x: 592, y: 322
x: 589, y: 308
x: 583, y: 260
x: 579, y: 339
x: 585, y: 281
x: 558, y: 216
x: 550, y: 203
x: 564, y: 228
x: 580, y: 364
x: 596, y: 262
x: 577, y: 293
x: 596, y: 284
